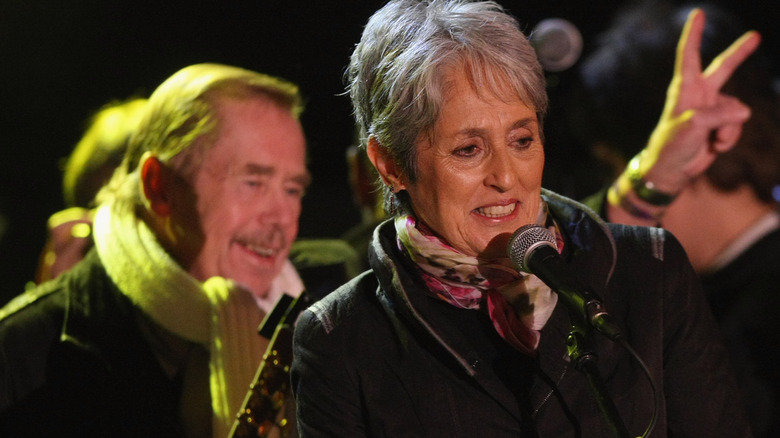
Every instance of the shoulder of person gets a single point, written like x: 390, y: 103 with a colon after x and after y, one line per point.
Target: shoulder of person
x: 30, y: 325
x: 659, y: 242
x: 46, y: 296
x: 653, y: 256
x: 346, y: 306
x: 46, y: 303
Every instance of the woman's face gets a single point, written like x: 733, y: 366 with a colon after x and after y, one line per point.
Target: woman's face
x: 479, y: 170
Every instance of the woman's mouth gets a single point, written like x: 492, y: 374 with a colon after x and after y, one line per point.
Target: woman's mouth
x: 497, y: 211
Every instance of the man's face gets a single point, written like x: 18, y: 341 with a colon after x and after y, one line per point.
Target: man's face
x: 248, y: 194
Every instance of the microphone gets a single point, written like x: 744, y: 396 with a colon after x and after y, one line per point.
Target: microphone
x: 532, y: 249
x: 558, y: 44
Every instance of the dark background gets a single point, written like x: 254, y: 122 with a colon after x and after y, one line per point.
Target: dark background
x: 60, y: 60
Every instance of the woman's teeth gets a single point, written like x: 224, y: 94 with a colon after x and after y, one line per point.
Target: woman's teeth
x: 497, y: 211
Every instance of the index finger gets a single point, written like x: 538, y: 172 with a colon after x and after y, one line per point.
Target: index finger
x: 723, y: 66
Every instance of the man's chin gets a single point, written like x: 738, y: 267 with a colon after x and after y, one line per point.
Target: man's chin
x: 256, y: 277
x: 259, y: 289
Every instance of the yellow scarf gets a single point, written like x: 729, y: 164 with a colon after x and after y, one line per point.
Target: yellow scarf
x: 218, y: 313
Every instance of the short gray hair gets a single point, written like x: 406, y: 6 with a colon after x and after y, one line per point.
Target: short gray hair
x: 395, y: 76
x: 179, y: 123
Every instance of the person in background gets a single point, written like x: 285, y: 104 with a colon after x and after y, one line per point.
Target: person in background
x: 367, y: 197
x: 154, y: 332
x: 445, y: 336
x: 88, y: 167
x: 714, y: 189
x: 324, y: 263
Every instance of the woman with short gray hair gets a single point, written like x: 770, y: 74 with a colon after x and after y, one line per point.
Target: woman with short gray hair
x: 472, y: 321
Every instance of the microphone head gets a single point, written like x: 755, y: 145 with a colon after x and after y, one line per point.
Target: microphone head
x: 524, y: 241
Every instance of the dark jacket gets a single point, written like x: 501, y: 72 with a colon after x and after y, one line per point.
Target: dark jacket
x: 74, y: 363
x: 745, y: 299
x: 744, y: 296
x: 379, y: 358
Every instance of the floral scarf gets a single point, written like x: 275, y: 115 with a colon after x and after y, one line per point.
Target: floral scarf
x: 518, y: 304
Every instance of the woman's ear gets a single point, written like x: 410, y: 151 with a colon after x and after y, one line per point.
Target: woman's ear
x: 155, y: 182
x: 388, y: 169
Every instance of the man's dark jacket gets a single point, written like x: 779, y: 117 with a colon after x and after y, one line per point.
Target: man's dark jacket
x: 74, y: 363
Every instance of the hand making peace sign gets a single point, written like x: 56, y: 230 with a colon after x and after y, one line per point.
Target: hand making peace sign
x: 698, y: 121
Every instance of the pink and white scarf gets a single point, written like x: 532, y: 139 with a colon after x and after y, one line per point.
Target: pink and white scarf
x: 518, y: 304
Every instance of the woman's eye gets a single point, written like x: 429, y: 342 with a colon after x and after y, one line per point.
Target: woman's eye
x: 524, y: 142
x: 466, y: 151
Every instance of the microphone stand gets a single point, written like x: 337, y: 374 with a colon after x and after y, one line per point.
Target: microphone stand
x: 583, y: 355
x: 532, y: 249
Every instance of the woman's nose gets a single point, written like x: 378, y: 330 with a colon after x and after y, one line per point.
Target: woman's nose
x: 500, y: 173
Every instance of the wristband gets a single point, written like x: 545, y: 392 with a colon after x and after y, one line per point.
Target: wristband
x: 645, y: 190
x: 620, y: 200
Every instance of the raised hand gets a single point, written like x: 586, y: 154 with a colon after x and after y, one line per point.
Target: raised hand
x: 698, y: 121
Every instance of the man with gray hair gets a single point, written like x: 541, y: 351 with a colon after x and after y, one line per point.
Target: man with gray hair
x: 154, y: 333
